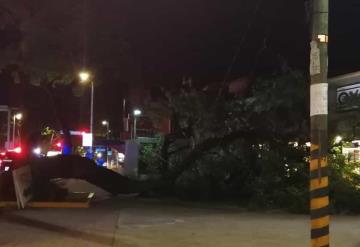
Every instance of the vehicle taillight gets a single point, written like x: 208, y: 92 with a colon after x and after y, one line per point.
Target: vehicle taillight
x: 18, y: 150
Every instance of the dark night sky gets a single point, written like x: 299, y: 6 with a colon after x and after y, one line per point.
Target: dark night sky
x: 138, y: 43
x: 199, y: 38
x: 344, y: 36
x: 169, y: 39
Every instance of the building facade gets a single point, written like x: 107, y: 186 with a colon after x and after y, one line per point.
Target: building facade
x: 344, y: 106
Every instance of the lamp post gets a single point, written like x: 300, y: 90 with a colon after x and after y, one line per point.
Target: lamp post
x: 106, y: 123
x: 17, y: 116
x: 85, y: 78
x: 137, y: 113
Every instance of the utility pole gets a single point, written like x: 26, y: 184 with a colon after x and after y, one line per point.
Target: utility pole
x: 92, y: 109
x: 8, y: 128
x: 319, y: 181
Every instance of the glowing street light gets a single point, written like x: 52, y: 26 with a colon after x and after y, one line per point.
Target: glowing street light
x: 107, y: 124
x: 18, y: 116
x: 85, y: 77
x: 137, y: 112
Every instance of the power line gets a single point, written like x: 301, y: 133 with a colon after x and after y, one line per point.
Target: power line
x: 242, y: 41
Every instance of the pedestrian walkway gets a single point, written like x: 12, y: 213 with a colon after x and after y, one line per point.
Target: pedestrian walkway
x: 131, y: 222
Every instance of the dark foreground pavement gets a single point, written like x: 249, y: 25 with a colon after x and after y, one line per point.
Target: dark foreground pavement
x: 131, y: 222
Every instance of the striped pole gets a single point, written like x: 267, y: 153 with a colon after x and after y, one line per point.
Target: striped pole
x: 319, y: 181
x: 319, y: 200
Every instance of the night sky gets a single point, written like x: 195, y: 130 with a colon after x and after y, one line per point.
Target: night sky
x: 172, y: 39
x: 143, y: 44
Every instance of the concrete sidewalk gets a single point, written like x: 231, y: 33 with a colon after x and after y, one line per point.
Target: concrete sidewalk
x: 95, y: 226
x: 142, y: 223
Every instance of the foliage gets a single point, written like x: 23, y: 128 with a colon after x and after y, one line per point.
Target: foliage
x: 344, y: 184
x: 49, y: 132
x: 276, y: 105
x: 250, y: 150
x: 47, y: 139
x: 150, y: 156
x: 223, y: 149
x: 197, y: 117
x: 45, y: 43
x: 253, y: 176
x: 258, y: 118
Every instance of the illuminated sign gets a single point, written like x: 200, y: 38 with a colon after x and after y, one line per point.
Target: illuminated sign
x: 73, y: 133
x: 348, y: 97
x: 87, y: 140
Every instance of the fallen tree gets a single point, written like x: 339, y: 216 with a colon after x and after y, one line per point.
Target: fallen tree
x: 73, y: 166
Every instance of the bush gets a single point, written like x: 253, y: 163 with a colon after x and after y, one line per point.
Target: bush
x: 260, y: 177
x: 252, y: 175
x: 344, y: 185
x: 150, y: 158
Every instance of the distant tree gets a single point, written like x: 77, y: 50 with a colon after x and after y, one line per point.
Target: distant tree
x: 46, y: 43
x: 51, y: 41
x: 46, y: 46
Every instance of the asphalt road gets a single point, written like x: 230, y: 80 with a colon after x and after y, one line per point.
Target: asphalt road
x: 130, y: 222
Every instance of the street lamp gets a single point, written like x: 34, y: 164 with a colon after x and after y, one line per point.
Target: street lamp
x: 338, y: 139
x: 17, y: 116
x: 85, y: 77
x: 136, y: 113
x: 106, y: 123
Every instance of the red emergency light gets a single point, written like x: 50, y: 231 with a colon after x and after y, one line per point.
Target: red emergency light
x: 17, y: 150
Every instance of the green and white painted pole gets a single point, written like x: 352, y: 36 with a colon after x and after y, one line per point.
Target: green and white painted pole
x: 319, y: 181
